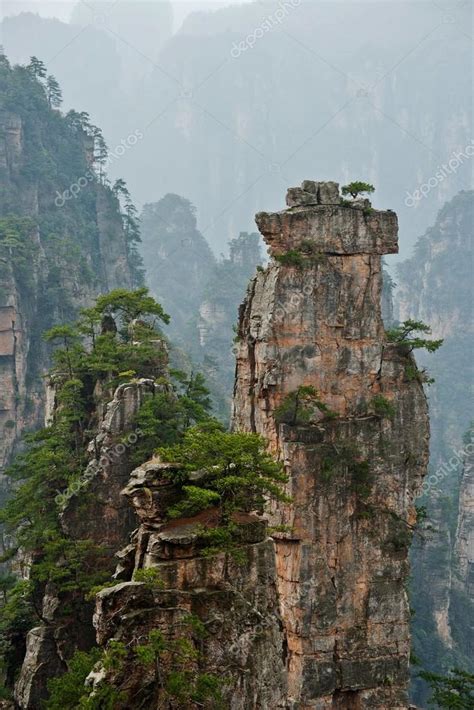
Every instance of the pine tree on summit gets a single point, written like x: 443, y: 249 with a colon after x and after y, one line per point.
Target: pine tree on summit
x: 53, y: 92
x: 37, y: 68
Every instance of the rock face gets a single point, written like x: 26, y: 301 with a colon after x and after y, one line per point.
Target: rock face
x: 65, y: 248
x: 464, y: 547
x: 354, y: 471
x: 93, y: 510
x: 235, y: 601
x: 462, y: 578
x: 435, y: 285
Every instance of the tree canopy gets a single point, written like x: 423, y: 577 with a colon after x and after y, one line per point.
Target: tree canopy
x: 354, y: 189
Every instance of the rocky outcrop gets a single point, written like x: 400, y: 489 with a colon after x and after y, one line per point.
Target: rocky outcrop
x: 234, y: 599
x: 315, y: 321
x: 93, y: 510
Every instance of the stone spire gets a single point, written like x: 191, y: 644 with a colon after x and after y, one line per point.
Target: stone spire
x: 355, y: 447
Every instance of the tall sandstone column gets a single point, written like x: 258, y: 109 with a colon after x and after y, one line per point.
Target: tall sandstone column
x: 313, y: 318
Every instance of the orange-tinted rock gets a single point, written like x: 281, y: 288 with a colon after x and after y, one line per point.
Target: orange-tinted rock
x: 342, y: 567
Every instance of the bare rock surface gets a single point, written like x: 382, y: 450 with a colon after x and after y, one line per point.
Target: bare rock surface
x: 342, y: 569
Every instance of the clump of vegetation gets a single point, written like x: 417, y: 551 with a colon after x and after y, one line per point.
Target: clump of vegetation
x: 406, y: 334
x: 382, y: 407
x: 68, y: 690
x: 298, y: 407
x: 291, y: 258
x: 150, y: 577
x: 304, y: 257
x: 412, y: 373
x: 451, y: 692
x: 345, y: 457
x: 120, y: 333
x: 164, y: 417
x: 175, y: 663
x: 354, y: 189
x: 17, y: 244
x: 409, y: 335
x: 236, y: 474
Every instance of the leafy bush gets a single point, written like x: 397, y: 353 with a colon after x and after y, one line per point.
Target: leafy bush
x: 291, y: 258
x: 150, y: 576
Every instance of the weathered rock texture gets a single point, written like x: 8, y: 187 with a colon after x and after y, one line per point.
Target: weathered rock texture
x: 342, y: 569
x: 235, y: 599
x: 94, y: 510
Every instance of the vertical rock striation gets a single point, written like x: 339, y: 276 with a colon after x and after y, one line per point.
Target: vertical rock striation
x: 313, y: 318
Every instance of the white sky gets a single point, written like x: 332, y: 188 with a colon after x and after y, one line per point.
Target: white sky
x: 61, y: 9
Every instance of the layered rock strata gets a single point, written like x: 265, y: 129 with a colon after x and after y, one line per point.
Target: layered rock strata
x: 312, y: 318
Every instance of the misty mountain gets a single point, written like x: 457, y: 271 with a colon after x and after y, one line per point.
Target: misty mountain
x: 262, y: 99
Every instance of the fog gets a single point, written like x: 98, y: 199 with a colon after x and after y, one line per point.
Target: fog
x: 237, y: 101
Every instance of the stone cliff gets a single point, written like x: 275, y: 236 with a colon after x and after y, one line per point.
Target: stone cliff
x: 62, y: 242
x: 234, y: 600
x: 311, y: 327
x: 93, y: 510
x: 312, y: 612
x: 435, y: 285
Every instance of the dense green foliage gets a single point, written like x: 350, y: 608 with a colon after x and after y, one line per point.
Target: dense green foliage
x: 174, y: 662
x: 166, y: 416
x: 120, y: 332
x: 452, y: 692
x: 57, y: 181
x: 235, y: 472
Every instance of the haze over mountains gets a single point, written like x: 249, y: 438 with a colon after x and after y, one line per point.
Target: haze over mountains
x: 210, y: 111
x: 242, y: 101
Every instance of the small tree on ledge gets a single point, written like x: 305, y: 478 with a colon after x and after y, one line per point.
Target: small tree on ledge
x: 407, y: 334
x: 354, y: 189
